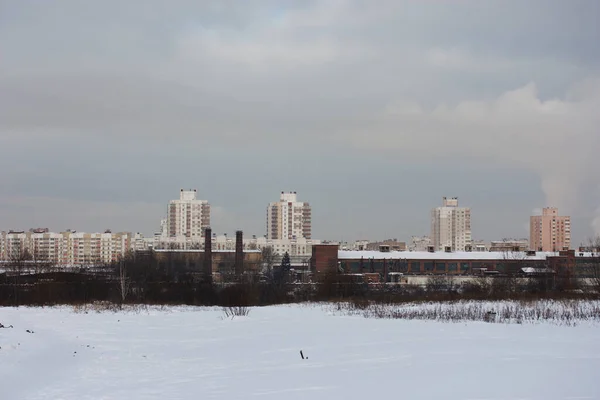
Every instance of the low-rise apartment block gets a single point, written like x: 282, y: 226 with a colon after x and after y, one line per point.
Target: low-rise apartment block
x: 294, y: 247
x: 64, y: 248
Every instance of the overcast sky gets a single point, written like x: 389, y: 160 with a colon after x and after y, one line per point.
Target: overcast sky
x: 370, y: 110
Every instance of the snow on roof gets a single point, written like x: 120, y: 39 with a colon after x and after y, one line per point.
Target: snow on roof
x: 459, y: 255
x: 531, y: 270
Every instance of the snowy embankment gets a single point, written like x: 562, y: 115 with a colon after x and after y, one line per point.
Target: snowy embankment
x: 195, y: 353
x: 560, y: 312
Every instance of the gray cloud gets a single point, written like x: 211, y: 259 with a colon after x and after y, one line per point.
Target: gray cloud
x: 110, y: 101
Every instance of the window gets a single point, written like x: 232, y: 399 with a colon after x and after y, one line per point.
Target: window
x: 415, y: 266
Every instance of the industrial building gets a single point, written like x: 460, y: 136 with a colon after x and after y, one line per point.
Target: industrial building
x: 328, y: 259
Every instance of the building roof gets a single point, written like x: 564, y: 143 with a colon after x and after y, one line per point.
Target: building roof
x: 460, y: 255
x: 200, y: 251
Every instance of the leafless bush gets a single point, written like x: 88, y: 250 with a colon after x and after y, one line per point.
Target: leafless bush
x: 440, y: 283
x: 482, y: 284
x: 232, y: 312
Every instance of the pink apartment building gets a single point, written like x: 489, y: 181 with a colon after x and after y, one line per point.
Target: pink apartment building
x: 549, y: 231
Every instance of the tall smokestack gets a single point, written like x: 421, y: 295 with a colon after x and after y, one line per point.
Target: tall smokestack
x: 239, y: 253
x: 207, y: 267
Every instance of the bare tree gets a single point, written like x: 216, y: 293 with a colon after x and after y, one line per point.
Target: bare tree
x: 41, y: 262
x: 480, y: 284
x: 268, y: 257
x: 123, y: 281
x: 507, y: 283
x: 17, y: 265
x: 440, y: 283
x: 592, y: 270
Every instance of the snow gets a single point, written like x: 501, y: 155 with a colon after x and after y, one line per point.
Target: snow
x: 194, y: 353
x: 532, y: 270
x: 457, y: 255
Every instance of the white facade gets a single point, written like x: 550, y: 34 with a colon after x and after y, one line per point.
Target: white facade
x: 65, y: 248
x: 288, y: 218
x: 298, y: 247
x: 451, y: 226
x: 358, y: 245
x: 188, y: 216
x: 419, y: 243
x: 164, y: 228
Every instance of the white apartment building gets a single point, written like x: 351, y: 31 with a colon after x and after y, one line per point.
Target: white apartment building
x: 164, y: 230
x: 294, y: 247
x: 288, y: 218
x: 65, y: 248
x: 188, y: 216
x: 451, y: 226
x: 419, y: 243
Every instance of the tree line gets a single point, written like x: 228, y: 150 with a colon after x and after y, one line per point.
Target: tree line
x: 173, y: 278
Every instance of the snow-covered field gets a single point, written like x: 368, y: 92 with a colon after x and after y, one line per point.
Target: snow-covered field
x: 193, y: 353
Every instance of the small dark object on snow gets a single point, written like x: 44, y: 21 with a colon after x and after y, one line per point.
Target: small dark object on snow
x: 28, y: 331
x: 490, y: 316
x: 302, y: 355
x: 2, y: 326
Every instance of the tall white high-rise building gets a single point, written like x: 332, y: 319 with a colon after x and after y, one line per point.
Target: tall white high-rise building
x: 288, y: 218
x: 188, y: 216
x: 451, y: 226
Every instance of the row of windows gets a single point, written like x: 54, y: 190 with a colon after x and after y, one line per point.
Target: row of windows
x: 413, y: 266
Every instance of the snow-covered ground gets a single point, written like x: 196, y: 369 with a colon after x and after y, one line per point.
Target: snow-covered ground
x: 193, y: 353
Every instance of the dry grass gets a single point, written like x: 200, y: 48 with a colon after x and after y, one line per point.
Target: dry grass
x: 232, y: 312
x: 108, y: 306
x: 563, y: 312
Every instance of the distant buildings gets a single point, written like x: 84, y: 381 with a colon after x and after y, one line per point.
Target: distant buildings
x: 65, y: 248
x: 386, y: 266
x: 509, y: 245
x: 451, y: 226
x: 420, y: 243
x: 388, y: 244
x: 288, y: 218
x: 289, y: 230
x: 478, y: 246
x: 188, y: 216
x: 294, y: 247
x: 549, y: 231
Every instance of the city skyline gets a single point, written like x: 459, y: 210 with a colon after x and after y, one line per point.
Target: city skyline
x: 371, y: 111
x: 188, y: 216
